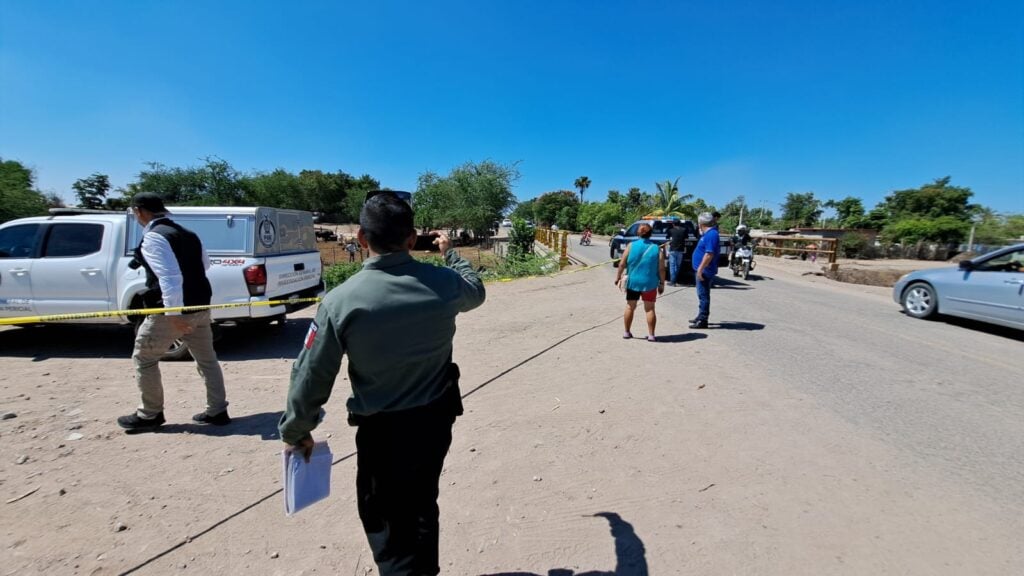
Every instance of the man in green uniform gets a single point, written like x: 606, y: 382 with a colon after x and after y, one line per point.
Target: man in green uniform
x: 395, y: 319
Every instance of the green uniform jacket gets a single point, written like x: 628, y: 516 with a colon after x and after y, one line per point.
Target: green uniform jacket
x: 395, y: 319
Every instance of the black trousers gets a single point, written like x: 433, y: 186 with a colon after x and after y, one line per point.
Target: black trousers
x: 399, y: 465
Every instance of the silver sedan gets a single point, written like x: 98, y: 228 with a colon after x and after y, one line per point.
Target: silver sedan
x: 989, y: 288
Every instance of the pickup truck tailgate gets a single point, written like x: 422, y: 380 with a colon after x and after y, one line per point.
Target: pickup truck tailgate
x: 291, y: 273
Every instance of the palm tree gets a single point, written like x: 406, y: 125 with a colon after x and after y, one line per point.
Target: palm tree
x: 668, y: 202
x: 582, y: 183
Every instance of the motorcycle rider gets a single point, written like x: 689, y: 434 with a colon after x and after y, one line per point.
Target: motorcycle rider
x: 740, y: 238
x: 585, y: 238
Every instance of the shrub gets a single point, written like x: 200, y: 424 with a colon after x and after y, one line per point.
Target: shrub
x: 338, y: 273
x: 853, y: 245
x: 525, y: 265
x: 520, y: 239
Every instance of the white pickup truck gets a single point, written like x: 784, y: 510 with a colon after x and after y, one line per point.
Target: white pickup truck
x: 80, y: 261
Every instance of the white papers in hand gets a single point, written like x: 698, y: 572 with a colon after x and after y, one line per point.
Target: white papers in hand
x: 306, y: 483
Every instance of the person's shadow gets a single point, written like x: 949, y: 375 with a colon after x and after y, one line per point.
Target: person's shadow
x: 730, y: 325
x: 630, y: 555
x: 684, y: 337
x: 263, y: 424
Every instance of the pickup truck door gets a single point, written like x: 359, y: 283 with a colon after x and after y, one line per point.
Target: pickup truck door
x: 73, y: 273
x: 18, y: 247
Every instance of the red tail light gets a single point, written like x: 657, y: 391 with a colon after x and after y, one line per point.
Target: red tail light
x: 256, y: 279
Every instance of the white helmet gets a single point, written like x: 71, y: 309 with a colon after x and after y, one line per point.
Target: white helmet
x: 741, y: 228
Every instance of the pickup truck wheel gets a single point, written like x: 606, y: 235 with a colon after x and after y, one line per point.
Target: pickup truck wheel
x: 177, y: 351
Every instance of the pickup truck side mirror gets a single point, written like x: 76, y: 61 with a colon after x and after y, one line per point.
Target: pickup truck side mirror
x: 966, y: 265
x: 622, y: 231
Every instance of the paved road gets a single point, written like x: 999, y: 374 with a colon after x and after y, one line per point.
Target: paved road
x: 951, y: 393
x: 946, y: 396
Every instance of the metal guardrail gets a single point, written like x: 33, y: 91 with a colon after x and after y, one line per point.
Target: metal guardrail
x: 777, y: 245
x: 557, y: 241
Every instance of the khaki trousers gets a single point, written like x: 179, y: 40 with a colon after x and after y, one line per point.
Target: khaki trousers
x: 152, y: 341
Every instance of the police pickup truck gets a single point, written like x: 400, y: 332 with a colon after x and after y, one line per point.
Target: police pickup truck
x: 81, y: 261
x: 659, y: 235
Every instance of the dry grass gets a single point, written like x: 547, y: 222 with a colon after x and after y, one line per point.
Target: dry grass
x: 334, y: 253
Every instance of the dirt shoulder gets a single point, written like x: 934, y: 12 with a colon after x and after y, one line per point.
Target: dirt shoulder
x: 883, y: 273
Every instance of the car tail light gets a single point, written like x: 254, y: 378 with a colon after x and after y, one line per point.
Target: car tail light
x: 256, y: 279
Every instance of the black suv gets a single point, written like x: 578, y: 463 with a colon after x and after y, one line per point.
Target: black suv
x: 659, y: 235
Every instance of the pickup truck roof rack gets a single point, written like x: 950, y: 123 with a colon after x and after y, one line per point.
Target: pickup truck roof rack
x: 73, y: 211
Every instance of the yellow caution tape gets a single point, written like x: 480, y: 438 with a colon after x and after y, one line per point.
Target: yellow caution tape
x: 146, y: 311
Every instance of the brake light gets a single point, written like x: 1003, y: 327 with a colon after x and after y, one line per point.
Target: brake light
x: 256, y: 279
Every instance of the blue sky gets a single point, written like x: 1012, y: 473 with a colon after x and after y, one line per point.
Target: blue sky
x: 753, y: 98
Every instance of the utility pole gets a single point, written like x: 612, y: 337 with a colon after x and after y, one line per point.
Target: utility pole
x: 970, y: 242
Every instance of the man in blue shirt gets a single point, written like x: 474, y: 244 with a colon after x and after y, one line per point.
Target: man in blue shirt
x: 705, y: 266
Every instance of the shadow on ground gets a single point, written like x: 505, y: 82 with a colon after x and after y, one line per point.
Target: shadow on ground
x: 263, y: 424
x: 630, y: 555
x: 243, y: 342
x: 684, y: 337
x: 993, y: 329
x: 728, y: 325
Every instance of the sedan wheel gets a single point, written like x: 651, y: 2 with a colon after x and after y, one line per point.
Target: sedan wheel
x: 919, y: 300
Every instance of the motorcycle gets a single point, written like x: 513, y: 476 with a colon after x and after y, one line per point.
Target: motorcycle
x: 742, y: 261
x: 585, y: 239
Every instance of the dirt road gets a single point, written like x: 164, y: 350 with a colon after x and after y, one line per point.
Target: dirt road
x: 813, y: 430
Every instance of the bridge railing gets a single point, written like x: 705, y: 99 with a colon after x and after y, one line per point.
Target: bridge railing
x: 779, y: 245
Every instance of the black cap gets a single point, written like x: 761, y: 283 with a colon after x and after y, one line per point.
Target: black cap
x: 149, y: 201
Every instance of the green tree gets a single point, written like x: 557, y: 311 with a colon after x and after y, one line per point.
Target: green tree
x: 567, y: 217
x: 931, y: 201
x: 668, y: 202
x: 53, y: 200
x: 524, y: 210
x: 581, y: 184
x: 325, y: 192
x: 279, y: 189
x: 119, y: 203
x: 355, y: 196
x: 944, y: 229
x: 731, y: 214
x: 635, y: 200
x: 615, y: 197
x: 993, y: 228
x: 472, y: 197
x: 849, y: 211
x: 92, y: 191
x: 602, y: 217
x: 934, y: 212
x: 801, y: 210
x: 520, y: 238
x: 697, y: 206
x: 548, y: 206
x: 215, y: 183
x: 18, y: 198
x: 1014, y: 227
x: 759, y: 218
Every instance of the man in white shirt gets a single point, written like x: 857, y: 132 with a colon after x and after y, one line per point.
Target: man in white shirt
x: 175, y: 264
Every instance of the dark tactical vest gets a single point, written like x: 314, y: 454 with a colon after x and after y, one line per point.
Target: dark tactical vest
x: 188, y: 251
